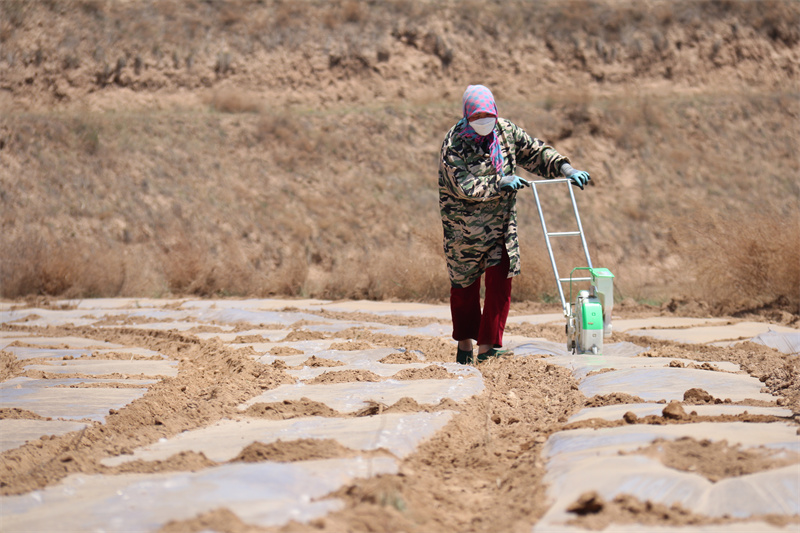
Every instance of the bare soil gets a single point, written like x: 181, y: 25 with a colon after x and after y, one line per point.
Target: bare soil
x: 716, y: 460
x: 595, y: 513
x: 288, y: 148
x: 482, y: 472
x: 259, y: 149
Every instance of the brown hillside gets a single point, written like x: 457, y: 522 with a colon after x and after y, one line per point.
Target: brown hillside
x: 266, y: 147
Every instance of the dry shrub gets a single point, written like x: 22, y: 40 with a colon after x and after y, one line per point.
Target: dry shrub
x: 409, y: 270
x: 536, y: 281
x: 235, y: 101
x: 745, y: 260
x: 287, y: 275
x: 415, y: 273
x: 143, y: 272
x: 293, y: 142
x: 350, y: 12
x: 232, y: 13
x: 288, y: 15
x: 33, y: 264
x: 184, y: 265
x: 213, y: 269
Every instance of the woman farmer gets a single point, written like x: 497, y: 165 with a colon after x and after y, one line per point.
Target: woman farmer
x: 478, y: 186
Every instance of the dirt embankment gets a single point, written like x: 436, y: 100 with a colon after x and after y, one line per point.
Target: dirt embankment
x: 238, y: 148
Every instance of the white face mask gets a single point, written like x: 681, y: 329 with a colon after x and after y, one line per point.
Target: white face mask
x: 483, y: 126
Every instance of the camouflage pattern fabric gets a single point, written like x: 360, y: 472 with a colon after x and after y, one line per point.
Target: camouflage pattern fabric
x: 477, y: 217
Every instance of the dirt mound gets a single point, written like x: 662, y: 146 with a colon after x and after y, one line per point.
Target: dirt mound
x: 284, y: 350
x: 429, y: 372
x: 303, y: 335
x: 716, y: 460
x: 614, y: 398
x: 345, y: 376
x: 400, y: 358
x: 217, y: 520
x: 295, y: 450
x: 595, y: 513
x: 186, y: 461
x: 351, y: 346
x: 404, y: 405
x: 15, y: 413
x: 315, y: 362
x: 290, y: 409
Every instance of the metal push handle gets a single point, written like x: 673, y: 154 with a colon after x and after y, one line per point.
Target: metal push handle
x: 547, y: 235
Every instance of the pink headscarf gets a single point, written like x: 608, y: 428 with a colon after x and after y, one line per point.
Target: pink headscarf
x: 479, y: 99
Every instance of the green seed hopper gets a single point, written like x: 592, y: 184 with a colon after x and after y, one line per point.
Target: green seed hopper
x: 589, y: 314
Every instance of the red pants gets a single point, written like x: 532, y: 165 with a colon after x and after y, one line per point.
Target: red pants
x: 465, y: 307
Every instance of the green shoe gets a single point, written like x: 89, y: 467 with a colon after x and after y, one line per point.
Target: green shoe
x: 464, y: 357
x: 493, y: 352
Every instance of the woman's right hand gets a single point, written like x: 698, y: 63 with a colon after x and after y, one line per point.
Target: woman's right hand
x: 513, y: 182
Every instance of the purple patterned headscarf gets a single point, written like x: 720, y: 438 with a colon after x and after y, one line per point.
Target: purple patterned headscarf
x: 477, y: 99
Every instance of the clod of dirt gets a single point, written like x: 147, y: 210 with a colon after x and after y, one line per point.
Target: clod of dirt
x: 626, y: 509
x: 345, y: 376
x: 614, y: 398
x: 400, y: 358
x: 587, y: 503
x: 315, y: 362
x: 372, y: 408
x: 630, y: 417
x: 429, y: 372
x: 284, y: 350
x: 674, y: 411
x: 704, y: 366
x: 295, y: 450
x: 697, y: 397
x: 10, y: 366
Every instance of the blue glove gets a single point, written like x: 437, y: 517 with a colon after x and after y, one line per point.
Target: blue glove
x: 578, y: 177
x: 513, y: 182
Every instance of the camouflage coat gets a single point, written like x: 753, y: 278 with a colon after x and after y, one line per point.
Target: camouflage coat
x: 478, y: 218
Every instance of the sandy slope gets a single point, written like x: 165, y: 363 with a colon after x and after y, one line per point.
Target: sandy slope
x: 263, y: 148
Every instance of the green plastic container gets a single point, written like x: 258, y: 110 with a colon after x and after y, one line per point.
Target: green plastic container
x: 592, y: 315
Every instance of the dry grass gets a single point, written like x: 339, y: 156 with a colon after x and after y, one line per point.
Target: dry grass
x: 298, y: 210
x: 339, y: 201
x: 235, y: 101
x: 35, y: 265
x: 745, y: 260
